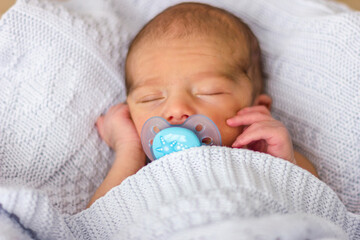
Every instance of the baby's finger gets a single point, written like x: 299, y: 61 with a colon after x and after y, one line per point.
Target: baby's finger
x: 248, y: 119
x: 236, y: 144
x: 256, y: 132
x: 259, y: 108
x: 259, y: 146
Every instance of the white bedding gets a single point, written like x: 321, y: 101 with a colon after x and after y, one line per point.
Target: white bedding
x: 199, y: 192
x: 61, y: 67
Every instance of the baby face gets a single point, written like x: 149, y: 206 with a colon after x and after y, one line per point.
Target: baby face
x: 178, y: 78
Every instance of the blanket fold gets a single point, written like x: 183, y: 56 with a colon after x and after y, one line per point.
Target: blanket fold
x: 190, y: 192
x: 205, y: 185
x: 197, y: 191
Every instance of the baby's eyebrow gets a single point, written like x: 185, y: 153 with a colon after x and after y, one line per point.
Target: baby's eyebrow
x: 154, y: 81
x: 144, y: 83
x: 210, y: 74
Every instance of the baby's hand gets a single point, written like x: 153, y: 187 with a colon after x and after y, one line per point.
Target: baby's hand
x: 117, y: 129
x: 262, y: 133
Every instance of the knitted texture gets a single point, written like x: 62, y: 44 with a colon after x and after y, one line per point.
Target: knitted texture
x: 58, y: 73
x: 30, y: 213
x: 209, y: 185
x: 195, y: 193
x: 60, y: 68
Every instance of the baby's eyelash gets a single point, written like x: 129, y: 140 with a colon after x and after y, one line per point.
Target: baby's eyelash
x: 212, y: 93
x: 150, y: 99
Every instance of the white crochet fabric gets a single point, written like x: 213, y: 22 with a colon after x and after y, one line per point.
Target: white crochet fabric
x: 201, y: 192
x: 59, y: 69
x: 58, y: 72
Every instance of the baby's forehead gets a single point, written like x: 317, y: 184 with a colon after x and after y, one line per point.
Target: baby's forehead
x: 233, y: 59
x: 188, y: 20
x: 185, y: 22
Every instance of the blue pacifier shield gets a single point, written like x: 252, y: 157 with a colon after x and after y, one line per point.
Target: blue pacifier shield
x: 173, y: 139
x: 159, y: 138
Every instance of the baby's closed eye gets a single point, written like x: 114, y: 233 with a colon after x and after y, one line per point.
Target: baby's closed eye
x: 150, y: 98
x: 211, y: 92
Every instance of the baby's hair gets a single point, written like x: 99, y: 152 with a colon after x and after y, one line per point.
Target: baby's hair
x: 186, y: 20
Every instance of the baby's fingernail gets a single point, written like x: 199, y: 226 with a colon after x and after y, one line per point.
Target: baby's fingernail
x: 235, y: 145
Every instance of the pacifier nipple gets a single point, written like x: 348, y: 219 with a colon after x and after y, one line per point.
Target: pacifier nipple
x: 159, y: 138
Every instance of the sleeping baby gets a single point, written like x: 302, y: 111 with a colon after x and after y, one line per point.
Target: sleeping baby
x: 194, y: 59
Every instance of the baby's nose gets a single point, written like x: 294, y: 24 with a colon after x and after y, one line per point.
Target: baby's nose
x: 178, y: 110
x: 177, y: 119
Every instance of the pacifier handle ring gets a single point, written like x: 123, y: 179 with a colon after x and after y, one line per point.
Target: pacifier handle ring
x: 149, y: 131
x: 202, y: 120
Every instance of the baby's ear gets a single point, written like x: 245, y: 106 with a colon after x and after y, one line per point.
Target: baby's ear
x: 263, y: 100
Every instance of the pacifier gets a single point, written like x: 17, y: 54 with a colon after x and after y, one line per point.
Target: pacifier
x: 159, y: 137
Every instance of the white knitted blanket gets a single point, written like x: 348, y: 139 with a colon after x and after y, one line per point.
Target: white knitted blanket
x: 61, y: 66
x: 200, y: 193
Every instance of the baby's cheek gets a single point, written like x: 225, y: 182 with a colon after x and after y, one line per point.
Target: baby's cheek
x: 229, y: 134
x: 138, y: 122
